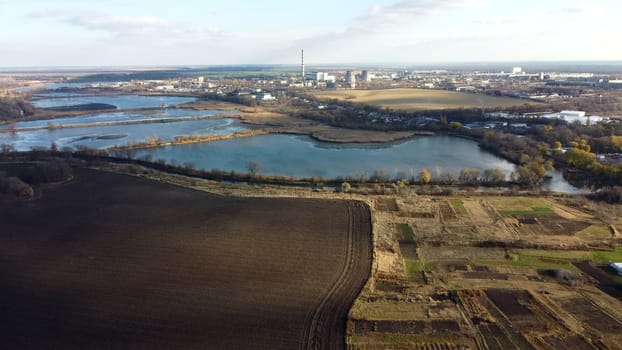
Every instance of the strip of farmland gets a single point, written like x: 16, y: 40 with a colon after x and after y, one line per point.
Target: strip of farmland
x: 112, y: 261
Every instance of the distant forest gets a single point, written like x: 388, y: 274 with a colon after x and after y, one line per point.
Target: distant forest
x: 265, y: 71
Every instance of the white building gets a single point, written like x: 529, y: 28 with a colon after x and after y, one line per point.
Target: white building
x: 319, y: 77
x: 571, y: 75
x: 615, y: 83
x: 265, y: 97
x: 165, y: 87
x: 572, y: 114
x: 576, y: 117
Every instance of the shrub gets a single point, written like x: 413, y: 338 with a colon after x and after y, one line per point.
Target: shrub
x: 52, y: 171
x: 15, y: 186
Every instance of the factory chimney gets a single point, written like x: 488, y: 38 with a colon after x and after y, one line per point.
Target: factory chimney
x: 302, y: 65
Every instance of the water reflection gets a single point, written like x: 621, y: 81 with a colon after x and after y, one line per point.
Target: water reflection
x: 301, y: 156
x: 100, y: 136
x: 158, y: 114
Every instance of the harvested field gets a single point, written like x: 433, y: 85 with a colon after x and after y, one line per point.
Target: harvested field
x: 592, y: 316
x: 109, y: 261
x: 510, y: 265
x: 552, y: 224
x: 386, y: 204
x: 486, y: 275
x: 511, y: 302
x: 495, y: 328
x: 403, y: 327
x: 420, y: 99
x: 605, y: 282
x: 573, y: 342
x: 447, y: 211
x: 408, y: 249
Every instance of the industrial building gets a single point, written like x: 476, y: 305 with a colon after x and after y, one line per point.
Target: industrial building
x: 365, y: 76
x: 350, y: 79
x: 319, y: 77
x: 575, y: 117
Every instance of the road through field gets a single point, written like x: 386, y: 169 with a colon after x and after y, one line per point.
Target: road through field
x: 109, y: 261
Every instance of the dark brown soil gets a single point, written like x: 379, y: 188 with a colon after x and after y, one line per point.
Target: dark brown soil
x: 486, y: 275
x: 573, y: 342
x: 592, y: 316
x: 511, y: 302
x: 498, y: 331
x: 108, y: 261
x: 605, y: 282
x: 550, y: 224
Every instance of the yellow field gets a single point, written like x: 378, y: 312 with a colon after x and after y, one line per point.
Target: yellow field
x: 420, y: 99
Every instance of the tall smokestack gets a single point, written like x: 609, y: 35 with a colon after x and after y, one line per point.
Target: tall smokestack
x: 302, y: 65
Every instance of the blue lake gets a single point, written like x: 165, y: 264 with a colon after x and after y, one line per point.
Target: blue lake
x: 120, y: 101
x: 157, y: 114
x: 116, y: 135
x: 302, y: 156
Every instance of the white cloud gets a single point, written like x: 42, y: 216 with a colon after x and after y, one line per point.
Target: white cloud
x: 407, y: 10
x: 376, y: 21
x: 582, y: 9
x: 120, y: 25
x: 125, y: 26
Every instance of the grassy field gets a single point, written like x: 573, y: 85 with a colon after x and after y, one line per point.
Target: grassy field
x: 521, y: 206
x: 595, y: 232
x: 420, y: 99
x: 458, y: 205
x: 535, y: 211
x: 555, y: 259
x: 110, y: 261
x: 406, y: 231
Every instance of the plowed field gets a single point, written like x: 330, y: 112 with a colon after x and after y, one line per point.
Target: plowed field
x: 109, y: 261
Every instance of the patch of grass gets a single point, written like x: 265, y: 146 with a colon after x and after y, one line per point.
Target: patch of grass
x: 598, y: 257
x: 458, y: 205
x: 414, y: 269
x: 414, y: 266
x: 595, y: 232
x: 554, y: 254
x: 540, y: 259
x: 535, y: 211
x: 518, y: 203
x: 604, y: 257
x: 554, y: 259
x: 406, y: 231
x: 529, y: 262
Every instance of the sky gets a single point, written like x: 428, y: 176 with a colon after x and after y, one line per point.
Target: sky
x: 42, y: 33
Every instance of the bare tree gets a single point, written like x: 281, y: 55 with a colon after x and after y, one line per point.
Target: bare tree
x: 253, y: 167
